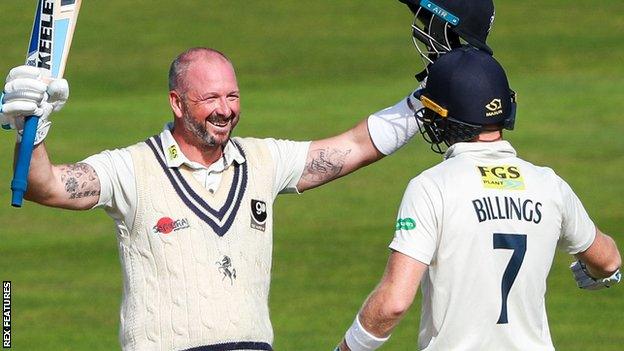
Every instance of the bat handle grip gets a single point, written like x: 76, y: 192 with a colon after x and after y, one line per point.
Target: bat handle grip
x: 22, y: 166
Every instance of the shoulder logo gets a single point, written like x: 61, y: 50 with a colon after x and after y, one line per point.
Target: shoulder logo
x: 258, y: 214
x: 501, y: 177
x: 495, y: 107
x: 405, y: 224
x: 167, y: 225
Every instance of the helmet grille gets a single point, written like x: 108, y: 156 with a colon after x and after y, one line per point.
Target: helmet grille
x: 443, y: 132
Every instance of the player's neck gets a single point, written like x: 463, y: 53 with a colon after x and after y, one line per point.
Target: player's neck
x: 490, y: 136
x: 198, y: 153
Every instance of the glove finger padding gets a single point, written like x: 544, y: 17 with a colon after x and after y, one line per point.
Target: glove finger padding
x: 24, y: 92
x: 27, y: 84
x: 27, y: 93
x: 24, y: 71
x: 19, y: 109
x: 58, y: 92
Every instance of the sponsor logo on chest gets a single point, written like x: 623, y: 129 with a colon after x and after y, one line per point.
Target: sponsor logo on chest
x: 258, y: 214
x: 167, y: 225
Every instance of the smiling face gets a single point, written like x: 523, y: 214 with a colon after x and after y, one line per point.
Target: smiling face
x: 205, y: 101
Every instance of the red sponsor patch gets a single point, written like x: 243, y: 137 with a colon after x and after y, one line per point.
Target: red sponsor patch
x: 164, y: 225
x: 167, y: 225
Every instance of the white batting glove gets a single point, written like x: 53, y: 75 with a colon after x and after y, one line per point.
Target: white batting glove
x: 26, y: 94
x: 393, y: 127
x: 586, y: 281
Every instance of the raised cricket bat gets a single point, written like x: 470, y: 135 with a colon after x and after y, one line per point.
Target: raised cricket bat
x: 53, y: 29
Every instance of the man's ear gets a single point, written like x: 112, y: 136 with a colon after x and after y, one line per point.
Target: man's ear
x: 176, y: 103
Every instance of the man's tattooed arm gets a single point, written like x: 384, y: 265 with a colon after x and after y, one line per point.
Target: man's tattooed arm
x: 70, y: 186
x: 73, y: 187
x: 80, y: 181
x: 337, y: 156
x: 322, y: 166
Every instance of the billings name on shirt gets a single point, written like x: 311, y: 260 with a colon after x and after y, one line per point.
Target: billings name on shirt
x: 504, y: 207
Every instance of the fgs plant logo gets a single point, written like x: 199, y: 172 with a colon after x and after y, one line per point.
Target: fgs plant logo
x: 501, y: 177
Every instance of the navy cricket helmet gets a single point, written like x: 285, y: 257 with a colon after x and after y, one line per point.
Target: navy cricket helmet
x: 442, y: 25
x: 467, y: 92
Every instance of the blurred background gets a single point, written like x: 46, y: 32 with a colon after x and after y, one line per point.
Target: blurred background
x: 309, y: 70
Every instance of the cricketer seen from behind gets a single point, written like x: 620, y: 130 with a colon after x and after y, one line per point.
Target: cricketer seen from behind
x: 479, y: 231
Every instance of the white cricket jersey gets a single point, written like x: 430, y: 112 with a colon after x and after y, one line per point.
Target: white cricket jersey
x: 118, y: 188
x: 487, y: 223
x: 196, y: 263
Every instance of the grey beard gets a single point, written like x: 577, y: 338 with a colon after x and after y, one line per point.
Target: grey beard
x: 200, y: 131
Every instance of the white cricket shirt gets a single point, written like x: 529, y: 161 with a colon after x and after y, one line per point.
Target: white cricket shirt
x: 118, y: 188
x: 487, y: 223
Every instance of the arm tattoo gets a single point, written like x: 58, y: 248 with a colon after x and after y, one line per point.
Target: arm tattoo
x: 324, y: 165
x: 80, y: 180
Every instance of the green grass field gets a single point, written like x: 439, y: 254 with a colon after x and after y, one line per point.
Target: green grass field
x: 309, y: 70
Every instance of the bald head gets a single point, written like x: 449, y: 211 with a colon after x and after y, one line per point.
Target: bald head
x: 182, y: 63
x: 204, y: 98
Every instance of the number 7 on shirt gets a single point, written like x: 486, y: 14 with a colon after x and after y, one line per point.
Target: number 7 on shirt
x: 517, y: 243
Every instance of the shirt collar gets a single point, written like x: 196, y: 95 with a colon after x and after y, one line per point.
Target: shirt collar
x: 175, y: 157
x: 494, y: 149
